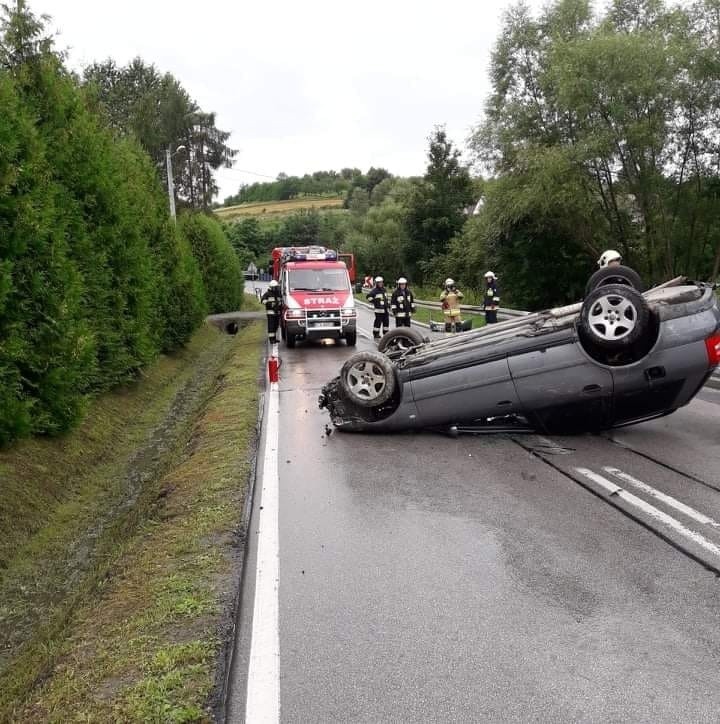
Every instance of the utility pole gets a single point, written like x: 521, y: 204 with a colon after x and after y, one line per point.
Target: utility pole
x: 171, y: 185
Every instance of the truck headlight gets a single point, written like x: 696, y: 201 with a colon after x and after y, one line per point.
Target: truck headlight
x: 295, y: 314
x: 348, y: 312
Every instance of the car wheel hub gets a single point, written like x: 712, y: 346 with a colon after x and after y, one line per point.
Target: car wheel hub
x: 612, y: 317
x: 365, y: 380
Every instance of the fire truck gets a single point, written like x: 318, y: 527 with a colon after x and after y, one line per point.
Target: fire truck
x: 317, y: 296
x: 349, y: 260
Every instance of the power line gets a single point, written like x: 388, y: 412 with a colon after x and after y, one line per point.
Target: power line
x: 252, y: 173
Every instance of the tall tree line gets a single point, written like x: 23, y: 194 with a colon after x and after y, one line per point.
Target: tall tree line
x: 95, y: 279
x: 157, y: 111
x: 601, y: 131
x: 393, y: 225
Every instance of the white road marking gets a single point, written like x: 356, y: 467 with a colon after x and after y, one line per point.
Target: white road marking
x: 652, y: 511
x: 263, y: 687
x: 552, y: 447
x: 667, y: 499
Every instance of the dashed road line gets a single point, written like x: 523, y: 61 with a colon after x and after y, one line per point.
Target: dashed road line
x: 667, y: 466
x: 651, y: 511
x: 615, y: 496
x: 667, y: 499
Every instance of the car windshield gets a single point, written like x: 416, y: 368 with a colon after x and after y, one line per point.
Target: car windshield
x: 318, y: 280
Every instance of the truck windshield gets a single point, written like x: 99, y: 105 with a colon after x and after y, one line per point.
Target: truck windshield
x: 318, y: 280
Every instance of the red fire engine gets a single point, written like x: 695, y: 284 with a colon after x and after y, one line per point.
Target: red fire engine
x: 317, y: 294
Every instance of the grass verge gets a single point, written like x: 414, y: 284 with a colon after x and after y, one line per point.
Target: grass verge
x: 119, y: 583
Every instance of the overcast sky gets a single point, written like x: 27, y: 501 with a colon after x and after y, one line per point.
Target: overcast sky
x: 305, y: 85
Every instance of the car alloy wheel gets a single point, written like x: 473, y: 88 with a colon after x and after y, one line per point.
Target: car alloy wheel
x: 614, y: 316
x: 368, y: 379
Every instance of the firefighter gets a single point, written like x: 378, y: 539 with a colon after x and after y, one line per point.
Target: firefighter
x: 272, y: 301
x: 610, y: 258
x: 450, y: 299
x: 378, y: 297
x: 491, y: 298
x: 402, y: 303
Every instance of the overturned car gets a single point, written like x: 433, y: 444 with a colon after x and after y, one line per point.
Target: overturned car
x: 618, y: 357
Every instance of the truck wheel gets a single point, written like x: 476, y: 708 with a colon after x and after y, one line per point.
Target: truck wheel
x: 400, y: 340
x: 289, y: 340
x: 614, y: 275
x: 368, y: 379
x: 351, y: 339
x: 614, y: 317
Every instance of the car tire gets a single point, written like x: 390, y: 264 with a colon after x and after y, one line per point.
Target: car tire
x: 614, y: 317
x: 289, y: 340
x: 351, y: 339
x: 615, y: 275
x: 368, y: 379
x: 400, y: 340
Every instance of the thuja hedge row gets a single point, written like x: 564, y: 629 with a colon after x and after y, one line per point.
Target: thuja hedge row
x: 95, y: 279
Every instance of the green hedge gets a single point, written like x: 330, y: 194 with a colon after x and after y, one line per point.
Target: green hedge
x: 94, y: 279
x: 219, y: 264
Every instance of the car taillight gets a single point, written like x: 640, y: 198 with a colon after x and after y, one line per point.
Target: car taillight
x: 713, y: 349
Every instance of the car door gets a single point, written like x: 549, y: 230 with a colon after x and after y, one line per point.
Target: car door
x: 560, y: 388
x: 465, y: 384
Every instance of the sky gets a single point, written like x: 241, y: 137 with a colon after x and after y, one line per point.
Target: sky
x: 305, y: 85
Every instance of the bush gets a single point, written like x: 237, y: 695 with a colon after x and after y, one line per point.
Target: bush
x: 94, y: 278
x: 219, y: 264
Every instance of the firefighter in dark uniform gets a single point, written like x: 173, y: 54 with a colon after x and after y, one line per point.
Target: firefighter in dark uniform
x: 402, y: 303
x: 491, y: 299
x: 378, y: 297
x: 272, y: 301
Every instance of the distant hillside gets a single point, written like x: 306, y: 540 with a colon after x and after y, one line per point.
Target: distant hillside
x: 319, y: 183
x: 261, y: 208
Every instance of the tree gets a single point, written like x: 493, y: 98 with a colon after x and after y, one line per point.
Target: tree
x: 160, y: 114
x: 375, y: 176
x: 436, y: 208
x: 627, y: 103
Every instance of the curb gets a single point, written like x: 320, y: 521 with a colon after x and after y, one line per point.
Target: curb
x: 714, y: 380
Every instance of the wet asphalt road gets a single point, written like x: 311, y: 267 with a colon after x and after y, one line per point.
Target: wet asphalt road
x: 426, y: 578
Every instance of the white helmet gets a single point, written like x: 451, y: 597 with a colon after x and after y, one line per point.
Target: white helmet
x: 449, y: 282
x: 402, y: 280
x: 489, y: 275
x: 608, y: 256
x: 379, y: 279
x: 273, y: 283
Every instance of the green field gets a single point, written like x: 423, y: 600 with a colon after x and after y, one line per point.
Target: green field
x: 261, y: 208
